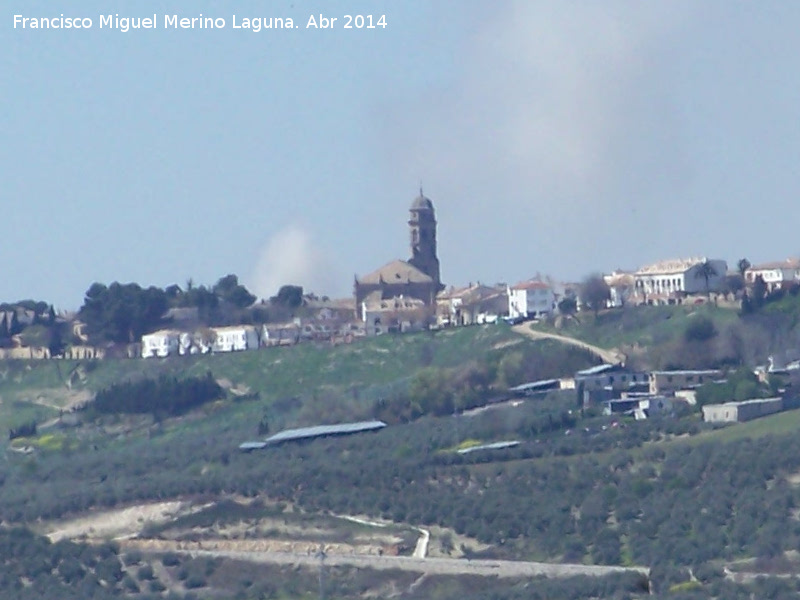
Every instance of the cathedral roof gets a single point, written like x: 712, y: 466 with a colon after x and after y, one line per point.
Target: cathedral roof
x: 421, y: 202
x: 397, y: 271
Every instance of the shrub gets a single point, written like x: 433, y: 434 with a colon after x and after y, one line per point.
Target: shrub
x: 700, y: 329
x: 194, y: 581
x: 170, y: 559
x: 145, y: 572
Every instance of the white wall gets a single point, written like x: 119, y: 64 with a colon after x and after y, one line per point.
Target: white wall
x: 234, y: 339
x: 530, y: 302
x: 160, y: 344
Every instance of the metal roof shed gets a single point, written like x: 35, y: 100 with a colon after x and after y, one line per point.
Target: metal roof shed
x: 304, y: 433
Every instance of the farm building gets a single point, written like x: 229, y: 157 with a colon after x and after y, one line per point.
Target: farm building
x: 304, y: 433
x: 739, y: 412
x: 664, y: 382
x: 317, y: 431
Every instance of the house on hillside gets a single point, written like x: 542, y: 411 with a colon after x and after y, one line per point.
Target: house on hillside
x: 669, y: 281
x: 283, y: 334
x: 395, y: 315
x: 339, y: 310
x: 616, y: 377
x: 81, y: 352
x: 165, y: 342
x: 668, y: 382
x: 739, y: 412
x: 25, y: 353
x: 621, y: 288
x: 470, y: 305
x: 775, y: 274
x: 530, y: 299
x: 603, y: 382
x: 235, y: 338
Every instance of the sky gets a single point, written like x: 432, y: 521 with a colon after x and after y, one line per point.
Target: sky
x: 554, y: 138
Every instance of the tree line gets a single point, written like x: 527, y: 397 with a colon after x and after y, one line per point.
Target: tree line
x: 166, y: 395
x: 122, y: 313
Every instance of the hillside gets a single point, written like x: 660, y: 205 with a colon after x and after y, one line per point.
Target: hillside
x: 578, y: 489
x: 318, y: 381
x: 661, y: 336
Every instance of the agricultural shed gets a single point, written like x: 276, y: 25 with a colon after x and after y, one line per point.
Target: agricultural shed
x: 304, y: 433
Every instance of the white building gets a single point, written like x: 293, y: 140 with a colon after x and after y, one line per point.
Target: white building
x: 739, y: 412
x: 235, y: 338
x: 530, y: 299
x: 669, y: 382
x: 620, y: 286
x: 609, y: 376
x: 775, y: 274
x: 474, y: 304
x: 161, y: 343
x: 396, y: 315
x: 666, y: 282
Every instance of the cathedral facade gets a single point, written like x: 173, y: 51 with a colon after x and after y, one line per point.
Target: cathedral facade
x: 418, y: 277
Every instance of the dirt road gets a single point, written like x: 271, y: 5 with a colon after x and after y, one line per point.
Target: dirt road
x: 612, y: 356
x: 431, y: 566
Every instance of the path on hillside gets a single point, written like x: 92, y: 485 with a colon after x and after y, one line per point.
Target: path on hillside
x: 421, y: 548
x: 432, y: 566
x: 612, y: 356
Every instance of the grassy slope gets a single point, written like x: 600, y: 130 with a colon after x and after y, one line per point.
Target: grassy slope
x: 362, y: 370
x: 277, y: 368
x: 782, y: 423
x: 641, y: 325
x: 303, y: 369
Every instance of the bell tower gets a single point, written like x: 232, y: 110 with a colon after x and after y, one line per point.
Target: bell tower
x: 422, y: 227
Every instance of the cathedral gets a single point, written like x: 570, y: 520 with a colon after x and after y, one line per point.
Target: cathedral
x: 417, y: 277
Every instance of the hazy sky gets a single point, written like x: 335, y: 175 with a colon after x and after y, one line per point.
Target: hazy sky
x: 553, y: 137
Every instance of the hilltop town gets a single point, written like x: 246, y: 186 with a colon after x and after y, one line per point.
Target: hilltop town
x: 418, y: 437
x: 126, y: 320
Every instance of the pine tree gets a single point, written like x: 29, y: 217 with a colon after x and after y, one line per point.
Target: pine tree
x: 14, y: 326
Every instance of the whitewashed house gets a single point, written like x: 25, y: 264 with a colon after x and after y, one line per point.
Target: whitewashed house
x: 473, y: 304
x: 775, y: 274
x: 667, y: 282
x: 279, y: 335
x: 739, y: 412
x: 399, y: 314
x: 235, y: 338
x: 530, y: 299
x: 620, y: 286
x: 165, y: 342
